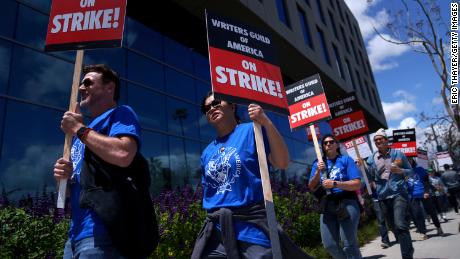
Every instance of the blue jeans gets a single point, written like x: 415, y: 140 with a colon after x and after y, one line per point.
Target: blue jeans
x: 418, y: 214
x: 396, y: 212
x: 381, y: 222
x: 346, y: 230
x: 91, y: 247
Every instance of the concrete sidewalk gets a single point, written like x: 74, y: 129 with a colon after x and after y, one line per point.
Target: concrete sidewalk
x: 446, y: 246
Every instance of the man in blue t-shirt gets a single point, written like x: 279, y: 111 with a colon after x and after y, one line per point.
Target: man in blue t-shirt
x: 113, y: 134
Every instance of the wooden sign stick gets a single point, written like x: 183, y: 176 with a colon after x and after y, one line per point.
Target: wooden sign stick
x: 268, y: 196
x: 68, y: 137
x: 315, y: 143
x: 362, y: 168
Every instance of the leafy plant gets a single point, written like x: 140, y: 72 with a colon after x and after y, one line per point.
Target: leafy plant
x: 35, y: 229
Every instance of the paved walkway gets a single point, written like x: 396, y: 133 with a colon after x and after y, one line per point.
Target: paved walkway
x: 446, y: 246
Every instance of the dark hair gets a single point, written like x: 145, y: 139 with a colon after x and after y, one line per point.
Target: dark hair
x: 329, y: 136
x: 446, y: 167
x: 203, y: 104
x: 107, y: 76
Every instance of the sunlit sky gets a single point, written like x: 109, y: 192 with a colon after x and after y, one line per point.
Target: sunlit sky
x: 406, y: 80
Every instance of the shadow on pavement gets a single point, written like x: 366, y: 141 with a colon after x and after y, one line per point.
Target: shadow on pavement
x: 374, y: 257
x: 435, y: 235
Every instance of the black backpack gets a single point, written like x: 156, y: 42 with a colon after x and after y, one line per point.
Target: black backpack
x: 121, y: 199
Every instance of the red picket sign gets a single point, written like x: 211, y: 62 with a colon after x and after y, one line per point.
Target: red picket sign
x: 83, y: 24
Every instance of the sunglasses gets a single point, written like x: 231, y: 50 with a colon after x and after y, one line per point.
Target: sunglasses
x: 216, y: 103
x: 327, y: 142
x: 379, y: 139
x: 87, y: 82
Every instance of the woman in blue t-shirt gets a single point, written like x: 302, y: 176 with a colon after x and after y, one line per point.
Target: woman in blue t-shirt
x: 236, y: 223
x: 340, y: 177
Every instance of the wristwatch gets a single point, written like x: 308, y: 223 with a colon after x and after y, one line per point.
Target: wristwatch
x: 335, y: 184
x: 82, y: 132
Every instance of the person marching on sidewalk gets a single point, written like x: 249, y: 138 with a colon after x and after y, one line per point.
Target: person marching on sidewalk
x: 439, y: 190
x: 419, y: 191
x: 451, y: 180
x: 388, y: 168
x: 339, y: 207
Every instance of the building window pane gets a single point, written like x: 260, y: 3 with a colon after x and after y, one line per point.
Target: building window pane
x: 349, y: 24
x: 5, y: 57
x: 201, y: 67
x: 149, y: 106
x: 354, y: 52
x: 376, y: 101
x: 40, y: 78
x: 8, y: 17
x: 177, y: 162
x: 29, y: 153
x: 358, y: 78
x: 322, y: 42
x: 358, y: 38
x: 334, y: 28
x: 179, y: 84
x: 345, y: 39
x: 182, y: 118
x: 32, y: 27
x: 331, y: 2
x: 42, y: 5
x: 347, y: 63
x: 143, y: 39
x: 319, y: 9
x: 362, y: 62
x: 145, y: 71
x: 340, y: 9
x: 338, y: 61
x: 282, y: 12
x: 370, y: 71
x: 184, y: 159
x: 113, y: 57
x: 201, y: 90
x: 156, y: 150
x: 178, y: 55
x: 305, y: 28
x: 369, y: 94
x: 193, y: 155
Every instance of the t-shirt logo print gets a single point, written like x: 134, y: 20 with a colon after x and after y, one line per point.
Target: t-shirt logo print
x: 76, y: 153
x: 335, y: 174
x: 219, y: 169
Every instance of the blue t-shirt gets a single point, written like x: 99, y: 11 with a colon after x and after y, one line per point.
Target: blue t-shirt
x: 415, y: 182
x: 341, y: 169
x: 119, y: 121
x: 231, y: 177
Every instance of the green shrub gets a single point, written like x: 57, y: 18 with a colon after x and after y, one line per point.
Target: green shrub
x: 33, y: 231
x: 25, y: 236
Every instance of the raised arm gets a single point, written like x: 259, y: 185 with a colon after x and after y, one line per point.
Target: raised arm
x: 279, y: 155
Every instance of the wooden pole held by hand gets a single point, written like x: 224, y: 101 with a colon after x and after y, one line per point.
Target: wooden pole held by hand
x: 68, y: 137
x: 267, y: 189
x: 315, y: 143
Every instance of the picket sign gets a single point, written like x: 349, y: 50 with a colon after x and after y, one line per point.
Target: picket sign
x: 362, y: 167
x: 267, y: 189
x: 68, y: 137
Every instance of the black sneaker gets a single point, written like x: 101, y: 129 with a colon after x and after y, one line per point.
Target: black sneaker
x: 385, y: 245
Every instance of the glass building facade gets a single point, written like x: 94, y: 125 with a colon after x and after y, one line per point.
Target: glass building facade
x: 162, y: 79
